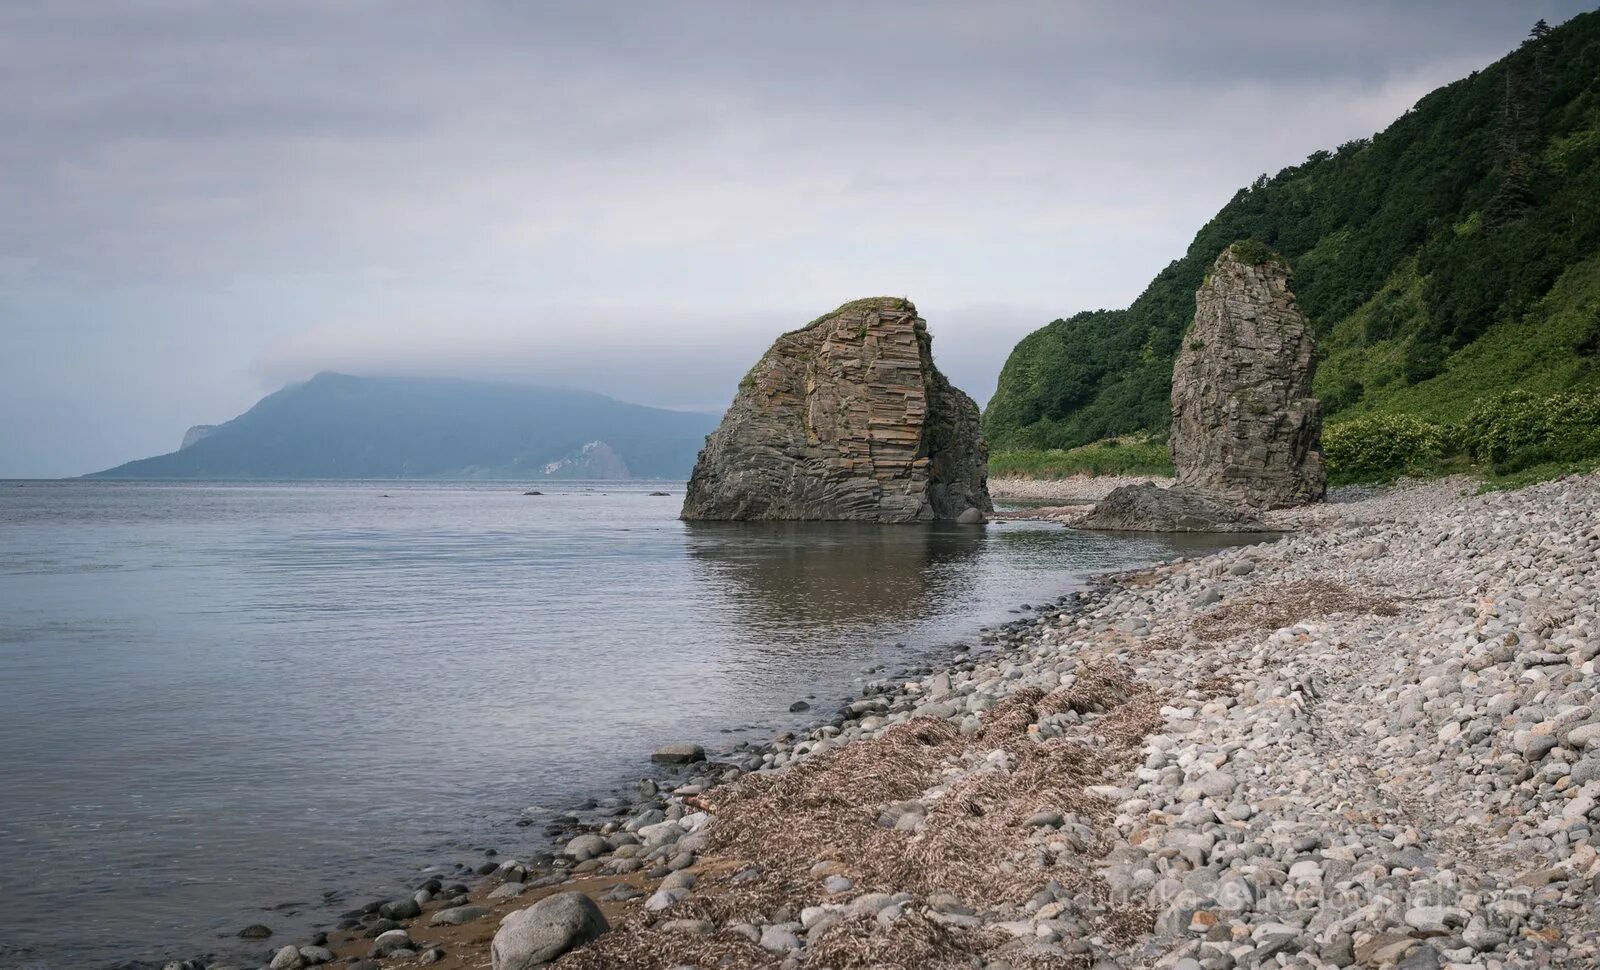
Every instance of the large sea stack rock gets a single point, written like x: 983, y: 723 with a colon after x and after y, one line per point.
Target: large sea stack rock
x: 1244, y: 423
x: 846, y: 418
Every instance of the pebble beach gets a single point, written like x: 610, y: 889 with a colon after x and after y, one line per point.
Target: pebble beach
x: 1372, y: 742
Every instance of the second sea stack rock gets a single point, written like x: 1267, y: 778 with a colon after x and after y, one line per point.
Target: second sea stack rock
x: 846, y: 419
x: 1244, y: 423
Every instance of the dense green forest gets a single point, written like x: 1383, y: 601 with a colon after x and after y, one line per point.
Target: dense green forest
x: 1446, y: 261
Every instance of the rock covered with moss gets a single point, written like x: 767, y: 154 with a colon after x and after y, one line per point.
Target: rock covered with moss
x: 1244, y: 423
x: 846, y: 418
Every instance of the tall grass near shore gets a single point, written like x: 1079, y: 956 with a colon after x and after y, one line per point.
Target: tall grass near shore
x: 1509, y: 440
x: 1113, y: 456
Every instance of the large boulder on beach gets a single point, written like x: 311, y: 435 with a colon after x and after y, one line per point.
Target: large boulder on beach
x: 846, y: 418
x: 1150, y: 508
x: 1244, y: 423
x: 535, y: 936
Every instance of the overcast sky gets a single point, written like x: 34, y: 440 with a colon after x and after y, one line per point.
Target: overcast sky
x: 202, y: 201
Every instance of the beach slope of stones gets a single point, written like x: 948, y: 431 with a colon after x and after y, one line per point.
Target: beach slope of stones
x: 1375, y: 743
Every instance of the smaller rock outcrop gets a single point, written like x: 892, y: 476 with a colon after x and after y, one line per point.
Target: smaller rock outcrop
x: 1244, y: 423
x: 847, y: 419
x: 1151, y: 508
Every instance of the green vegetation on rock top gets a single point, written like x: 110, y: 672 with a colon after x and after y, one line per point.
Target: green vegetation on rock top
x: 1447, y: 260
x: 1254, y: 252
x: 866, y: 302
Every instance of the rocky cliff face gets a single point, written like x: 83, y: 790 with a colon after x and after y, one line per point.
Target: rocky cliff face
x: 196, y: 434
x: 846, y: 418
x: 595, y: 461
x: 1244, y: 424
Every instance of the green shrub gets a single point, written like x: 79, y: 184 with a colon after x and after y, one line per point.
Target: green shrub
x: 1381, y: 447
x: 1254, y: 252
x: 1518, y: 430
x: 1534, y: 474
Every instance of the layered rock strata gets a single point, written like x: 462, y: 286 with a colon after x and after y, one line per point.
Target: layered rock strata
x: 1244, y: 423
x: 846, y: 419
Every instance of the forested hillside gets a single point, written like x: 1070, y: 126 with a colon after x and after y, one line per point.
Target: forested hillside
x: 1453, y: 257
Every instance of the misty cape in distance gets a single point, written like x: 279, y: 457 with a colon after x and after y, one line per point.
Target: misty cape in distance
x: 339, y: 426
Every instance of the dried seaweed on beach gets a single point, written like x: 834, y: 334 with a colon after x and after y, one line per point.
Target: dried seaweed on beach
x: 1275, y: 607
x: 772, y: 828
x: 635, y: 946
x: 913, y: 942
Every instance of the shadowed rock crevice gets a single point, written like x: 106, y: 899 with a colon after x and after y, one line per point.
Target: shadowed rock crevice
x: 846, y: 418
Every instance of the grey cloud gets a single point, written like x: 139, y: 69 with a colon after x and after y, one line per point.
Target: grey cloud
x: 275, y: 187
x: 668, y: 357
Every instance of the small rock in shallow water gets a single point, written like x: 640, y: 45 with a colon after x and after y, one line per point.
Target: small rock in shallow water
x: 255, y: 931
x: 679, y: 754
x: 400, y: 909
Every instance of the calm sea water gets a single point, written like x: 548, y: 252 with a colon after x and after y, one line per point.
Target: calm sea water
x: 218, y: 701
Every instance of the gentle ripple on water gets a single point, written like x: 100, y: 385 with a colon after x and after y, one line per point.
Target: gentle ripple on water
x: 217, y: 698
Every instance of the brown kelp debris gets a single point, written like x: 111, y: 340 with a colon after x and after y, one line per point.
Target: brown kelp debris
x: 1275, y: 607
x: 776, y: 834
x: 635, y: 946
x: 913, y: 942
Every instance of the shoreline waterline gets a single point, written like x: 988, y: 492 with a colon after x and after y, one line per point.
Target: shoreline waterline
x: 353, y: 675
x: 544, y: 854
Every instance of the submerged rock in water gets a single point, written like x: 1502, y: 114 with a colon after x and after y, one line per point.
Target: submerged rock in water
x: 679, y: 754
x: 1244, y: 423
x: 1151, y: 508
x: 846, y: 418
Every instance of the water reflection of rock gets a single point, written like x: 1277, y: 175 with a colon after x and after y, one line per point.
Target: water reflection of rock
x: 844, y: 577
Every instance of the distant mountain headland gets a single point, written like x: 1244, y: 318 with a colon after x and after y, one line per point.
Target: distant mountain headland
x: 339, y: 426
